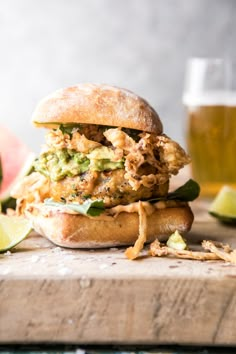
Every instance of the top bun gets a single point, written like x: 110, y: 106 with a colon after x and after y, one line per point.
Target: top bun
x: 97, y: 104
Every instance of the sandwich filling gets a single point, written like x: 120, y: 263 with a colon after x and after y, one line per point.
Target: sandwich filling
x: 116, y: 165
x: 107, y: 170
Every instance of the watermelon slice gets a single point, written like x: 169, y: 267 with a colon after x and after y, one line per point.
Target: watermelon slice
x: 0, y: 171
x: 16, y: 161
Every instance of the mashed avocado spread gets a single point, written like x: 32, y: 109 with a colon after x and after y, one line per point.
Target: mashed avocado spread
x: 59, y: 164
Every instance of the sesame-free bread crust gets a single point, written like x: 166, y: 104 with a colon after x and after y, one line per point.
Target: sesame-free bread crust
x: 78, y: 231
x: 97, y: 104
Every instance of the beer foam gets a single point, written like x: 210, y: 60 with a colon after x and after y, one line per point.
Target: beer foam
x: 210, y: 98
x: 231, y: 99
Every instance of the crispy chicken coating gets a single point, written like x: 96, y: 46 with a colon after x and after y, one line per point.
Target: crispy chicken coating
x: 110, y: 186
x: 149, y: 162
x: 160, y: 152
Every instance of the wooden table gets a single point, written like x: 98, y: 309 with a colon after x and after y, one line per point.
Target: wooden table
x: 50, y: 294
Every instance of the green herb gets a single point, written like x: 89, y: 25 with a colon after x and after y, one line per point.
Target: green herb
x: 103, y: 128
x: 186, y: 193
x: 89, y: 207
x: 9, y: 203
x: 134, y: 134
x: 67, y: 128
x: 87, y: 196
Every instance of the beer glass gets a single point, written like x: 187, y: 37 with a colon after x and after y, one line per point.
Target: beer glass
x: 210, y: 103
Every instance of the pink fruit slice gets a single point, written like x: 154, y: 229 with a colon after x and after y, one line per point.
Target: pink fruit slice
x: 16, y: 161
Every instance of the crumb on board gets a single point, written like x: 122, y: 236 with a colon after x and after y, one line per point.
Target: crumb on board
x: 211, y: 251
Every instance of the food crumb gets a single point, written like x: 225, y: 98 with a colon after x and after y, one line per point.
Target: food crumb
x: 103, y: 266
x: 64, y: 271
x: 8, y: 253
x: 85, y: 282
x: 5, y: 271
x: 71, y: 256
x: 34, y: 259
x: 114, y: 249
x: 57, y: 250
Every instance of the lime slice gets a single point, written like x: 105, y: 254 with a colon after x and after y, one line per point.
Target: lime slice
x: 223, y: 206
x: 13, y: 229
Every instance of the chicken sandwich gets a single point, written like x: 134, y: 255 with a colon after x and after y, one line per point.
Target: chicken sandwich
x: 102, y: 178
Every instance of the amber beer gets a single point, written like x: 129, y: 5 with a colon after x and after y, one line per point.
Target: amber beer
x: 211, y: 142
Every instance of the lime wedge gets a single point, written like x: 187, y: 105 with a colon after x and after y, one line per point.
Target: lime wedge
x: 223, y: 206
x: 13, y: 229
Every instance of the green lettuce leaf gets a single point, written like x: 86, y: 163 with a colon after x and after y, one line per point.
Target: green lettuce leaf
x: 186, y: 193
x: 89, y: 207
x: 67, y: 128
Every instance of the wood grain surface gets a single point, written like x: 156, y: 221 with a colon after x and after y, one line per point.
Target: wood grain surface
x: 54, y: 295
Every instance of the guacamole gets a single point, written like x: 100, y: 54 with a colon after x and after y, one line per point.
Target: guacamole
x: 63, y: 163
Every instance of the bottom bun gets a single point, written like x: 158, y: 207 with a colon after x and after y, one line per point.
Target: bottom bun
x: 78, y: 231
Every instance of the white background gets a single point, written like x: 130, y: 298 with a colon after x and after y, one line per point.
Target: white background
x: 138, y: 44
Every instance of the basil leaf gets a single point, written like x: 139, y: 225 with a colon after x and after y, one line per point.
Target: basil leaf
x: 186, y: 193
x: 8, y: 203
x: 89, y: 207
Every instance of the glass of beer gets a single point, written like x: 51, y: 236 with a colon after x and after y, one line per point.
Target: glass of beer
x: 210, y: 103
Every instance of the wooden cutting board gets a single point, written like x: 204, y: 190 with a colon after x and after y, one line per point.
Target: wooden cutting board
x: 50, y: 294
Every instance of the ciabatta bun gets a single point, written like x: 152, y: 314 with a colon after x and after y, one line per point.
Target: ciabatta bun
x: 78, y: 231
x: 97, y: 104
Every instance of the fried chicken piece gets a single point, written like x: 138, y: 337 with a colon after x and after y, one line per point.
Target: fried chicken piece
x: 110, y: 186
x: 120, y: 139
x: 171, y: 154
x: 163, y: 154
x: 160, y: 155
